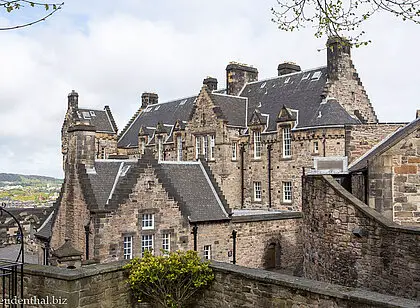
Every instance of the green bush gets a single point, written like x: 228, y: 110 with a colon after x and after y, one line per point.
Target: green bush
x: 168, y: 281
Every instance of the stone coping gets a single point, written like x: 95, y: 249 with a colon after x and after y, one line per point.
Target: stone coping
x: 323, y: 288
x: 266, y: 216
x: 73, y: 274
x: 366, y: 209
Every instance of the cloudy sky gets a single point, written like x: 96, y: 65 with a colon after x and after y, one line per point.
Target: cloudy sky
x: 112, y: 51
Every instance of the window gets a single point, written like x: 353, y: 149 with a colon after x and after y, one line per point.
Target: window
x: 205, y: 147
x: 160, y: 148
x: 287, y: 142
x: 234, y: 150
x: 207, y: 252
x: 179, y: 148
x: 102, y: 153
x: 148, y: 221
x: 257, y: 144
x: 166, y: 243
x: 128, y: 247
x: 146, y: 243
x: 197, y: 146
x: 287, y: 191
x: 212, y: 145
x: 143, y: 145
x: 257, y: 191
x: 316, y: 147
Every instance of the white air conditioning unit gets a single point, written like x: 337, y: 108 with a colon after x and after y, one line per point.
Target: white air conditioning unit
x: 330, y: 165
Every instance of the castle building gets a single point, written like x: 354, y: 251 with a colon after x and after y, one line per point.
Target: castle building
x: 219, y: 172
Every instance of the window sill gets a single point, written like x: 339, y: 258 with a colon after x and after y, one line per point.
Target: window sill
x: 287, y: 158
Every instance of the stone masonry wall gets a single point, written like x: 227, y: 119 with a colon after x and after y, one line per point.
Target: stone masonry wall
x: 361, y: 138
x: 348, y: 243
x: 104, y: 286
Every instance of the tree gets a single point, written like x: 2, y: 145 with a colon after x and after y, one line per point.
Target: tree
x: 15, y: 5
x: 340, y: 17
x: 168, y: 281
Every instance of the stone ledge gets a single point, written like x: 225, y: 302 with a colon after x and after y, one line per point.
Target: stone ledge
x: 266, y: 217
x: 317, y: 287
x: 73, y: 274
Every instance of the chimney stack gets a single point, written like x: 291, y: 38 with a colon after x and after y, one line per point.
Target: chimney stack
x: 237, y: 75
x: 73, y: 100
x: 211, y: 83
x: 81, y: 148
x: 287, y: 68
x: 148, y: 98
x: 338, y: 51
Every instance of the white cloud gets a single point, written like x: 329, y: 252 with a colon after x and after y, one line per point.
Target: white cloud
x: 111, y: 54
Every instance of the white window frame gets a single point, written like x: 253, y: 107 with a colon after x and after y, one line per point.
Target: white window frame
x: 205, y: 147
x: 207, y: 252
x: 147, y: 242
x: 147, y: 221
x: 128, y: 247
x: 257, y: 191
x: 316, y: 147
x: 197, y: 146
x: 287, y: 192
x: 287, y: 142
x: 212, y: 146
x: 234, y: 150
x: 103, y: 153
x: 257, y: 144
x: 142, y: 145
x: 179, y: 148
x: 160, y: 149
x: 166, y: 243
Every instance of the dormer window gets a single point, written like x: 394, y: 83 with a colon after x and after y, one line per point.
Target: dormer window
x: 287, y: 142
x: 160, y: 149
x: 257, y: 144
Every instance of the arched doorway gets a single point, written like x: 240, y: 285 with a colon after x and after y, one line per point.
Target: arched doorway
x: 272, y: 255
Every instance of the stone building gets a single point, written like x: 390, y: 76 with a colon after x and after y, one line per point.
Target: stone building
x: 387, y: 177
x: 106, y: 128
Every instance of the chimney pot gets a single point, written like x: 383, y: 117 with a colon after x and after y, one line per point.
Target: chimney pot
x: 287, y: 68
x: 211, y: 83
x: 73, y: 100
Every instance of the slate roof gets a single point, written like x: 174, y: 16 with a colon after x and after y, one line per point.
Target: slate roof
x: 301, y: 91
x: 101, y: 119
x: 193, y: 185
x: 166, y: 113
x: 233, y: 108
x: 105, y: 177
x: 22, y: 214
x: 384, y: 145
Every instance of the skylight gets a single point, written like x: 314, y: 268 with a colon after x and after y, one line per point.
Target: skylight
x: 287, y: 80
x: 183, y: 102
x: 86, y: 114
x: 157, y: 107
x: 306, y: 76
x: 263, y: 85
x: 92, y: 113
x: 316, y: 75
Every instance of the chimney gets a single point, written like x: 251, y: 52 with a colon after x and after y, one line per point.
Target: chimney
x: 237, y: 75
x: 211, y: 83
x: 73, y: 100
x: 148, y: 98
x: 81, y: 146
x: 338, y: 51
x: 287, y: 68
x: 418, y: 113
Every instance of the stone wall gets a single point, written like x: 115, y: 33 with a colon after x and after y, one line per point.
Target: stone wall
x: 349, y: 243
x: 361, y: 138
x: 234, y: 286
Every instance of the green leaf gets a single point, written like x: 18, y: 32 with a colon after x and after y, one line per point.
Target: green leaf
x: 47, y: 6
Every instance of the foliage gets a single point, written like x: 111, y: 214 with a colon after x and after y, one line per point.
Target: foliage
x: 13, y: 5
x: 168, y: 281
x: 340, y: 17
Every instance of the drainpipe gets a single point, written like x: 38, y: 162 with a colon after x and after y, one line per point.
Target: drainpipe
x: 323, y: 143
x: 47, y: 252
x: 195, y: 229
x: 234, y: 232
x: 87, y: 241
x: 269, y: 148
x: 242, y: 151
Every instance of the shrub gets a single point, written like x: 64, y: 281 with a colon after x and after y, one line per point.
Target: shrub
x: 168, y: 281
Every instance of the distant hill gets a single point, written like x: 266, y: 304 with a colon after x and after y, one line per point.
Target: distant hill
x: 27, y: 180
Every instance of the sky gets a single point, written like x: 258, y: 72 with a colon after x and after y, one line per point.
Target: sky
x: 112, y: 51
